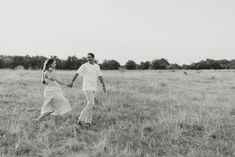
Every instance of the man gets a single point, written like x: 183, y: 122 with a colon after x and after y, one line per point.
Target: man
x: 90, y: 72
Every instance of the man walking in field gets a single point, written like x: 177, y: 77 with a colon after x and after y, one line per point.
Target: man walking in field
x: 90, y: 72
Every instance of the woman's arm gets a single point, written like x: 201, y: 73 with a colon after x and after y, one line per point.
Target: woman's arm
x: 43, y: 79
x: 50, y: 78
x: 54, y: 79
x: 61, y: 83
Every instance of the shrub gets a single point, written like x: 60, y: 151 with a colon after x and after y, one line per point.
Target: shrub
x: 130, y: 64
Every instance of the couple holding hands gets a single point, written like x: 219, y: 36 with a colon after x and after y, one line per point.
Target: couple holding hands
x: 56, y: 104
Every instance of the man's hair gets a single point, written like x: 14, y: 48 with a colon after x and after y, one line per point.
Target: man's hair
x: 92, y: 55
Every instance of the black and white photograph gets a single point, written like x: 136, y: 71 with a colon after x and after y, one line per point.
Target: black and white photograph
x: 117, y: 78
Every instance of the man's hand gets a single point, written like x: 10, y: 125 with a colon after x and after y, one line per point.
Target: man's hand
x: 104, y: 88
x: 102, y: 82
x: 74, y: 78
x: 70, y: 85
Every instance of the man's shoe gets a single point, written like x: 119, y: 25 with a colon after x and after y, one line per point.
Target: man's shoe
x: 88, y: 125
x: 80, y: 123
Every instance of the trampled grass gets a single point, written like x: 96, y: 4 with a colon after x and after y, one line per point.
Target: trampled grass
x: 144, y: 113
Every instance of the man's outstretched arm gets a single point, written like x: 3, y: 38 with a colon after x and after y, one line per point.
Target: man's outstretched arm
x: 102, y: 81
x: 74, y: 78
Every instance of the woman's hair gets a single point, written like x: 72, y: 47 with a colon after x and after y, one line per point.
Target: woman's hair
x: 46, y: 67
x: 47, y: 64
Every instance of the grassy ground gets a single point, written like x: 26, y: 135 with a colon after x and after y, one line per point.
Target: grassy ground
x: 144, y: 113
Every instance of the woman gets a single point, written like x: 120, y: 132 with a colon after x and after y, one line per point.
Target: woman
x: 55, y: 103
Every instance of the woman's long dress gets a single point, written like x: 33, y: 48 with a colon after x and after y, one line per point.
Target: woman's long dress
x: 54, y: 99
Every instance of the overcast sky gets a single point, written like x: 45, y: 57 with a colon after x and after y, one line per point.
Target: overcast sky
x: 182, y: 31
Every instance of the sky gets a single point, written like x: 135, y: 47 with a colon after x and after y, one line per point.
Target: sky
x: 182, y: 31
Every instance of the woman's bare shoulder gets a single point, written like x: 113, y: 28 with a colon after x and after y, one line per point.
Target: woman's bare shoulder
x: 48, y: 72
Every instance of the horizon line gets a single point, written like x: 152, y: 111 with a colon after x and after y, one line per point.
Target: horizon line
x: 62, y: 58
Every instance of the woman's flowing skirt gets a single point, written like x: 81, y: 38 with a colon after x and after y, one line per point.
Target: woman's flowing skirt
x: 55, y: 101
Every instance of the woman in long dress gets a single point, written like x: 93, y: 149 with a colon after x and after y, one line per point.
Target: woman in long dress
x: 55, y: 103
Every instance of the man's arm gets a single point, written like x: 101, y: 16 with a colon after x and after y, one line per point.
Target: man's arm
x: 102, y: 81
x: 74, y: 78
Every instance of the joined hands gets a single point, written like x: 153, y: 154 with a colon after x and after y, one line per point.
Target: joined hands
x: 70, y: 85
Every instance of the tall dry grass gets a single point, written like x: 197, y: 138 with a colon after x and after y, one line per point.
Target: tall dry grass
x: 144, y: 113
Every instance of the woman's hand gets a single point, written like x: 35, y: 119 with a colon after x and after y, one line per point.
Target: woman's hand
x: 44, y: 82
x: 61, y: 83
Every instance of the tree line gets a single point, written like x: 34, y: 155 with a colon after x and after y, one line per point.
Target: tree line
x: 73, y: 63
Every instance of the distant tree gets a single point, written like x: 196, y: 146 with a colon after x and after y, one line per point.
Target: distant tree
x: 8, y: 62
x: 73, y: 63
x: 1, y: 63
x: 63, y: 64
x: 84, y: 60
x: 59, y: 63
x: 231, y: 64
x: 18, y: 61
x: 174, y: 66
x: 156, y: 64
x: 209, y: 64
x: 36, y: 62
x: 216, y: 65
x: 160, y: 64
x: 70, y: 62
x: 27, y: 62
x: 224, y: 63
x: 199, y: 65
x: 144, y: 65
x: 184, y: 66
x: 130, y: 64
x: 110, y: 65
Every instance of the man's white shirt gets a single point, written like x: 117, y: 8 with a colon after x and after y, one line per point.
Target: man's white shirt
x: 90, y: 74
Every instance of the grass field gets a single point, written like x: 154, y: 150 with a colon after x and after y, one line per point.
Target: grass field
x: 144, y: 113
